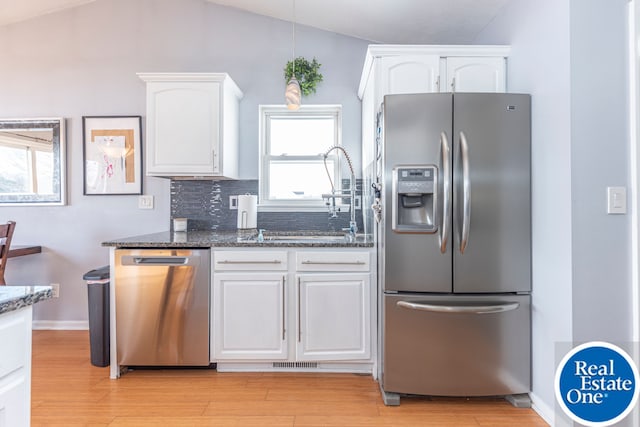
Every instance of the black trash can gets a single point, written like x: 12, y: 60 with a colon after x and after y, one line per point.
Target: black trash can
x: 98, y: 292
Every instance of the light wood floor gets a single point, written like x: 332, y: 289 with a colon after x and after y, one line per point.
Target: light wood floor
x: 68, y: 391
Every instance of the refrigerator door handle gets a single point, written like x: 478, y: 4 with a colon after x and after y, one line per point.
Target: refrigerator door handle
x: 446, y: 192
x: 466, y: 193
x: 465, y: 309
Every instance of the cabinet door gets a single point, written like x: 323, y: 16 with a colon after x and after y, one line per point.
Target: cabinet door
x: 15, y: 332
x: 183, y: 128
x: 410, y: 74
x: 475, y: 74
x: 248, y: 320
x: 15, y: 367
x: 15, y: 401
x: 333, y: 317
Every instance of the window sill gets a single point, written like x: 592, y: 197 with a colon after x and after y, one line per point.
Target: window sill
x: 298, y: 208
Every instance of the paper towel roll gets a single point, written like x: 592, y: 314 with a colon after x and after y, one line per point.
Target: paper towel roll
x: 247, y: 211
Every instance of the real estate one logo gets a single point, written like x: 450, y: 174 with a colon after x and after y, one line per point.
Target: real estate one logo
x: 596, y: 384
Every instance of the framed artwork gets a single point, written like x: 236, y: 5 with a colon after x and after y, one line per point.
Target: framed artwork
x: 112, y: 154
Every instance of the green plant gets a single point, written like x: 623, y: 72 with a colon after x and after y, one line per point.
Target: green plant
x: 306, y: 72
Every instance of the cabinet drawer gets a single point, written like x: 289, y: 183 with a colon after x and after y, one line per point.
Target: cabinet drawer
x: 14, y: 332
x: 332, y: 261
x: 250, y: 260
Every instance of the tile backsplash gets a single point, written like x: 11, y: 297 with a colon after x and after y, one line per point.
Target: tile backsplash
x: 206, y: 205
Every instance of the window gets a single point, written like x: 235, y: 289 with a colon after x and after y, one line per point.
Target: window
x: 292, y: 147
x: 26, y: 159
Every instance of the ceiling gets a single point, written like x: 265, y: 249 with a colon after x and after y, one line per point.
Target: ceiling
x: 20, y: 10
x: 382, y: 21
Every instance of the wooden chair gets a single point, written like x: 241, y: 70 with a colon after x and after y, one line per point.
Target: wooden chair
x: 6, y: 233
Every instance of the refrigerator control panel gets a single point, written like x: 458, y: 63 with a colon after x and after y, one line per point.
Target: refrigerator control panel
x: 416, y: 180
x: 415, y: 199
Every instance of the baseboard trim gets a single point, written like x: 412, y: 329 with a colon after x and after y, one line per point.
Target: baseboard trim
x: 542, y: 408
x: 328, y: 367
x: 71, y: 325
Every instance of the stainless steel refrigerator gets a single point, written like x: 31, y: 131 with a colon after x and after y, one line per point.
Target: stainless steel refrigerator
x: 454, y: 245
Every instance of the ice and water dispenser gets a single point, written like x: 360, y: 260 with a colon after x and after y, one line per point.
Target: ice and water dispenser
x: 414, y: 199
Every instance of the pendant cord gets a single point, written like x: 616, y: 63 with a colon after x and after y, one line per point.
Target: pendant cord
x: 293, y: 47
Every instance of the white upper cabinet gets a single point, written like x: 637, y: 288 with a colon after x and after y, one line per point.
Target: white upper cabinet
x: 397, y: 69
x: 410, y: 74
x: 475, y: 74
x: 192, y: 125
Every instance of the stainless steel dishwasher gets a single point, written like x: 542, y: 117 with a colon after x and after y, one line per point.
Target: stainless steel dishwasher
x: 162, y: 307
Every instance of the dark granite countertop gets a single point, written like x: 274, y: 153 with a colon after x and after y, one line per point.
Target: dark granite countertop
x: 206, y: 239
x: 15, y: 297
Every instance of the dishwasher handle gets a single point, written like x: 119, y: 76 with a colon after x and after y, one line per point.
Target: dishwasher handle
x: 142, y: 260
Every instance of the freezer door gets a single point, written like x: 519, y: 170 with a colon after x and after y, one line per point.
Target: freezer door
x: 416, y: 128
x: 492, y: 193
x: 457, y: 345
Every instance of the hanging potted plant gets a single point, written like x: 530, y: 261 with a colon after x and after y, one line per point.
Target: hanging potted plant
x: 306, y: 72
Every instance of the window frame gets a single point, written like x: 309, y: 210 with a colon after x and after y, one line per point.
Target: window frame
x: 266, y: 113
x: 45, y: 140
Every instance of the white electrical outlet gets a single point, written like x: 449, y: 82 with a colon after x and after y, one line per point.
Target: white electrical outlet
x: 145, y: 202
x: 55, y: 290
x: 233, y: 202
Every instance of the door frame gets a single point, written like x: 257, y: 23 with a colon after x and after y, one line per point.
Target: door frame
x: 634, y: 146
x: 634, y: 131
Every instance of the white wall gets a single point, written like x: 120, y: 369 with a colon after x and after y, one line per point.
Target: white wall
x: 84, y: 61
x: 600, y: 158
x: 570, y: 55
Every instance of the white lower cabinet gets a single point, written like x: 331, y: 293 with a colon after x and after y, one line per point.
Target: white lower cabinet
x: 15, y: 368
x: 249, y: 316
x: 317, y: 307
x: 333, y: 317
x: 15, y: 407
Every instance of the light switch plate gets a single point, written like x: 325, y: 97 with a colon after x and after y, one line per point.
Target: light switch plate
x: 616, y: 200
x: 233, y: 203
x: 145, y: 202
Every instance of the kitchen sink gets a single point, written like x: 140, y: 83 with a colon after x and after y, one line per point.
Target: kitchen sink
x: 287, y: 237
x: 284, y: 238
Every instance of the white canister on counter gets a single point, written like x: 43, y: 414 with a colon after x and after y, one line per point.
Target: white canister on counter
x: 247, y: 211
x: 179, y: 224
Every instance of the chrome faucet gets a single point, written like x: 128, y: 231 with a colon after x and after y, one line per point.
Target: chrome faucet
x: 353, y: 227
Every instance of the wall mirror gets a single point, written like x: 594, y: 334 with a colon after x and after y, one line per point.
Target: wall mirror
x: 32, y: 161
